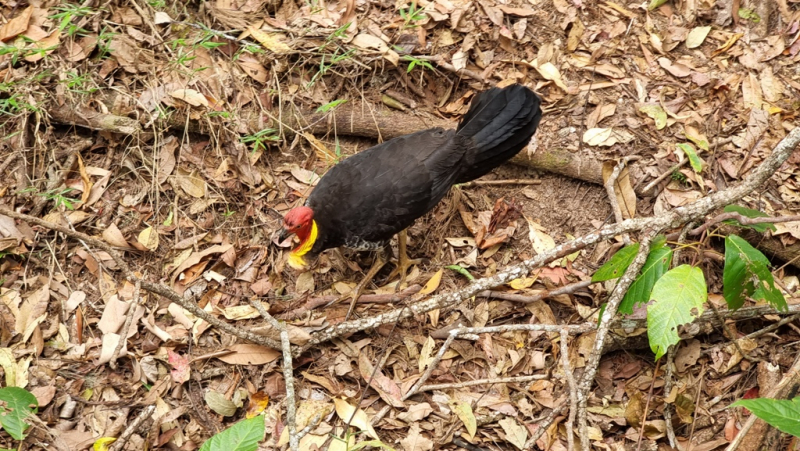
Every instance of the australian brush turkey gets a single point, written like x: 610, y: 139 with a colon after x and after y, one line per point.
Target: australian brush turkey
x: 366, y: 199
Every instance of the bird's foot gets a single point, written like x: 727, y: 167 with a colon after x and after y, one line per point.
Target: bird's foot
x: 356, y: 292
x: 403, y: 265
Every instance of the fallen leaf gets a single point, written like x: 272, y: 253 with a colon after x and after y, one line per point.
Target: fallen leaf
x: 696, y: 37
x: 354, y: 417
x: 249, y: 354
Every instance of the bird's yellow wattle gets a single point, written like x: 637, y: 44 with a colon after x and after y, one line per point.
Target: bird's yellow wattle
x: 296, y: 259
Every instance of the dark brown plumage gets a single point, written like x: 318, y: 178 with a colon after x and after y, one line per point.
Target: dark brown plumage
x: 367, y: 198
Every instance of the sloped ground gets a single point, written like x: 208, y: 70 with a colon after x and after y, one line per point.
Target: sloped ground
x: 180, y: 133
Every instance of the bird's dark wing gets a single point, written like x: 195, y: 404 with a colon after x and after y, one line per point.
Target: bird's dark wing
x: 381, y: 191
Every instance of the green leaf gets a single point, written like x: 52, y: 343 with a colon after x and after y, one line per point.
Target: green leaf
x: 749, y: 213
x: 15, y: 406
x: 617, y: 264
x: 655, y: 4
x: 678, y: 298
x: 461, y: 270
x: 242, y: 436
x: 783, y: 414
x: 746, y: 273
x: 691, y: 154
x: 767, y: 290
x: 749, y: 14
x: 657, y: 113
x: 658, y: 263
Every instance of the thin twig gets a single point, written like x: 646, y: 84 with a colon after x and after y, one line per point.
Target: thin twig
x: 501, y: 182
x: 288, y: 373
x: 123, y: 337
x: 743, y: 220
x: 566, y: 289
x: 673, y: 442
x: 544, y: 425
x: 602, y: 332
x: 573, y: 390
x: 146, y: 413
x: 488, y: 381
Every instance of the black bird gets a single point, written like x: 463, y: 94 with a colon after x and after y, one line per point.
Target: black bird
x: 363, y: 201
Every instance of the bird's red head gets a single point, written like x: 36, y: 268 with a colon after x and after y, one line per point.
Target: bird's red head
x: 299, y: 221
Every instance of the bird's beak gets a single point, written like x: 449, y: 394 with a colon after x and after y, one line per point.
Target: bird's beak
x: 283, y: 234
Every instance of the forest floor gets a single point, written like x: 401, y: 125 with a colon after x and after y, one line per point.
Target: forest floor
x: 175, y: 135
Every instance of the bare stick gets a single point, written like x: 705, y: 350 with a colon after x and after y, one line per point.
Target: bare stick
x: 573, y: 390
x: 126, y: 327
x: 667, y: 389
x: 488, y: 381
x: 501, y: 182
x: 602, y: 332
x: 146, y: 413
x: 743, y: 220
x: 567, y: 289
x: 544, y: 424
x: 288, y: 373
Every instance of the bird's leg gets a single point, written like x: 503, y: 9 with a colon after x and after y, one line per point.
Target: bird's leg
x: 403, y: 262
x: 355, y: 293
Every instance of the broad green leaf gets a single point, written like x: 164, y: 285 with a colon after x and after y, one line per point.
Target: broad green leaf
x: 15, y: 405
x: 617, y: 264
x: 767, y: 290
x: 242, y: 436
x: 749, y: 213
x: 783, y: 414
x: 678, y: 298
x: 691, y: 154
x: 746, y: 273
x: 657, y: 113
x: 658, y: 262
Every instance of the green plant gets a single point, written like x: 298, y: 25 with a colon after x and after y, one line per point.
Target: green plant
x: 65, y: 15
x: 57, y: 196
x: 242, y: 436
x: 414, y: 62
x: 334, y: 59
x: 77, y: 83
x: 228, y: 213
x: 783, y: 414
x: 259, y: 138
x: 675, y: 297
x: 16, y: 404
x: 330, y: 105
x: 411, y: 16
x: 104, y: 42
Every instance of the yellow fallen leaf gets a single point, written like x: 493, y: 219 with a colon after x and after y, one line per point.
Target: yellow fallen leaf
x: 148, y: 238
x: 432, y: 284
x: 102, y: 443
x: 271, y: 42
x: 357, y: 418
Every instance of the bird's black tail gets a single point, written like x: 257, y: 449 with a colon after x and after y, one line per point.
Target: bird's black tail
x: 500, y: 122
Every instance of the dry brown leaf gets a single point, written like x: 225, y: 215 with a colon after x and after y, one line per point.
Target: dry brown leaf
x: 113, y: 236
x: 17, y: 25
x: 190, y: 96
x: 415, y: 440
x: 249, y: 354
x: 387, y: 389
x: 626, y: 197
